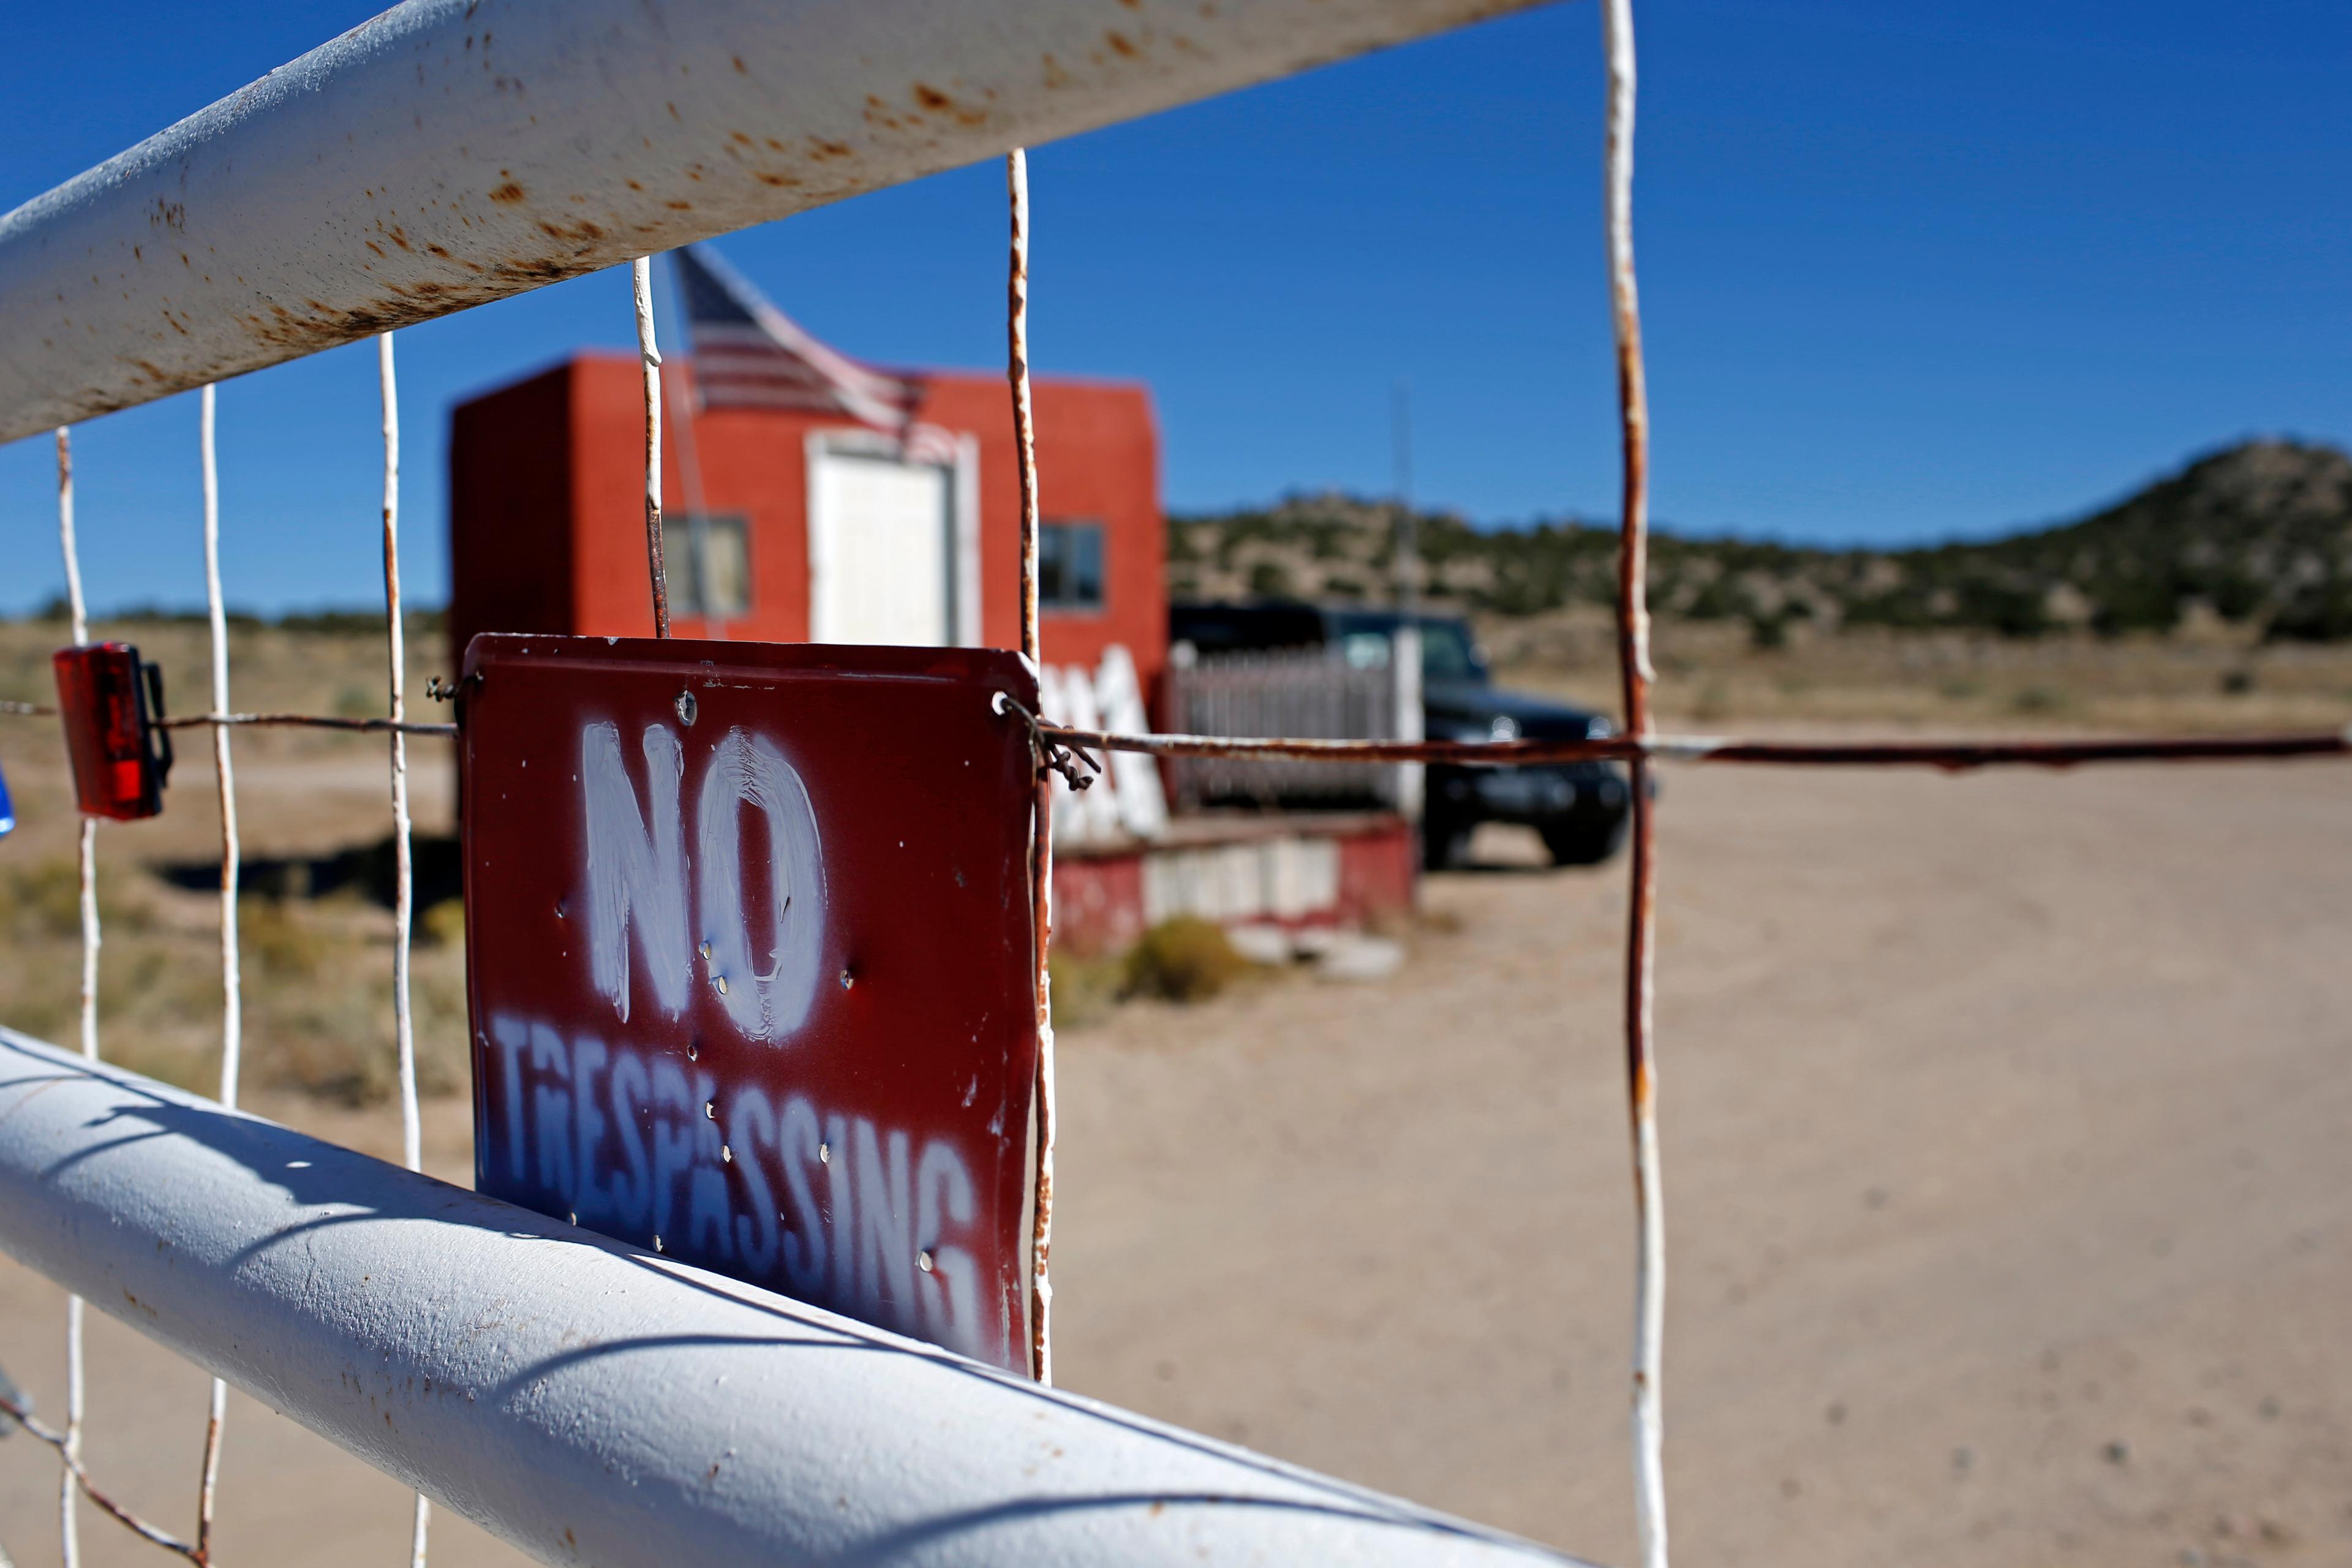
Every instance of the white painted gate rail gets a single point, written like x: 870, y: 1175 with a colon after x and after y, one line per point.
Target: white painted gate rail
x: 593, y: 1404
x: 451, y: 152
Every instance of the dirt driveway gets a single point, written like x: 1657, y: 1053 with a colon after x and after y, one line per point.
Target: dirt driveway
x: 2008, y: 1128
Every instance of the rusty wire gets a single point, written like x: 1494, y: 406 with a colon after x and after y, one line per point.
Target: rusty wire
x: 1041, y: 830
x: 1949, y: 754
x: 232, y: 991
x: 278, y: 721
x: 77, y: 1477
x: 312, y: 721
x: 1641, y: 914
x: 1065, y: 748
x: 641, y: 285
x: 404, y: 879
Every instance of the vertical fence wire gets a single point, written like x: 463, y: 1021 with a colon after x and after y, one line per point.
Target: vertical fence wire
x: 68, y: 1535
x: 1640, y: 933
x: 1041, y: 843
x: 641, y: 285
x: 232, y: 989
x: 404, y: 871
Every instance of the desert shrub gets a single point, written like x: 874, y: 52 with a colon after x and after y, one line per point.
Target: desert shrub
x: 2320, y: 612
x: 2010, y: 609
x: 2134, y: 604
x: 1769, y: 629
x: 443, y: 925
x: 2039, y: 699
x: 1901, y: 609
x: 1723, y: 596
x: 281, y: 944
x: 1086, y: 989
x: 1271, y: 580
x: 1183, y: 960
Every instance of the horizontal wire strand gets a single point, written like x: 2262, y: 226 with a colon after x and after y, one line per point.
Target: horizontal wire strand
x: 1939, y: 754
x: 79, y: 1477
x: 1950, y: 753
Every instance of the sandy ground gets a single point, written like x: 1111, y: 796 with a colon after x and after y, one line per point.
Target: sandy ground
x: 2009, y: 1143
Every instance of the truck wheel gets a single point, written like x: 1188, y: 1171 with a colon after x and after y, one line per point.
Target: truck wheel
x: 1584, y: 844
x: 1444, y: 845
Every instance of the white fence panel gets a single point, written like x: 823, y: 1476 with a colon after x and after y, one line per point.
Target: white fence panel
x: 593, y: 1403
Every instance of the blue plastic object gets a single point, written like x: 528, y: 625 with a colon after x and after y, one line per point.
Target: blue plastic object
x: 7, y: 811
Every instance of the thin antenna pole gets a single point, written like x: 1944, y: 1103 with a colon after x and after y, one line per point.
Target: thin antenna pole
x: 1041, y: 840
x: 1404, y: 647
x: 641, y: 284
x: 1633, y: 658
x: 232, y: 988
x: 403, y: 874
x: 1408, y: 526
x: 68, y: 1532
x: 681, y: 398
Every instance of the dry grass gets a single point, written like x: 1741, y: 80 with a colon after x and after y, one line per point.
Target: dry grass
x: 2208, y: 676
x: 317, y: 964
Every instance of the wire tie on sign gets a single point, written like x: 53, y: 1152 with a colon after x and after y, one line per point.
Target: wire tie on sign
x: 1050, y: 754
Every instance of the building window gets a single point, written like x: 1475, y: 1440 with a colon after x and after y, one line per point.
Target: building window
x: 708, y: 560
x: 1070, y: 566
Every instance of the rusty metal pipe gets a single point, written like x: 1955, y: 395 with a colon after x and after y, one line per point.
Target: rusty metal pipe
x: 450, y: 153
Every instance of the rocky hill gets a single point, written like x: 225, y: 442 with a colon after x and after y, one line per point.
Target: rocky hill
x: 2259, y: 534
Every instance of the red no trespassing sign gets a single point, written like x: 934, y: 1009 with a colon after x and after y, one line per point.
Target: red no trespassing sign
x: 749, y: 965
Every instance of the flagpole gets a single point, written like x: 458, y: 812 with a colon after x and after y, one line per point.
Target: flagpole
x: 682, y: 411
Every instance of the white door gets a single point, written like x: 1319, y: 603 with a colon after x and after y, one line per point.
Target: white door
x: 881, y: 550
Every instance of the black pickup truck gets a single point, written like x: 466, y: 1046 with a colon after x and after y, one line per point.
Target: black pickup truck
x: 1580, y: 808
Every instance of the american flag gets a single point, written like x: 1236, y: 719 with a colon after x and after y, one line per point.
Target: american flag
x: 749, y: 354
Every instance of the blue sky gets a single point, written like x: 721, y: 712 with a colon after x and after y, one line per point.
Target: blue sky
x: 1908, y: 272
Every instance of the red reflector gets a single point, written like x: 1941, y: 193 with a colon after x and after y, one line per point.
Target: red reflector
x: 110, y: 701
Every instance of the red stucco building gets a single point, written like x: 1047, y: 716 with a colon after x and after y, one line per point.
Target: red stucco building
x: 789, y: 525
x: 794, y: 523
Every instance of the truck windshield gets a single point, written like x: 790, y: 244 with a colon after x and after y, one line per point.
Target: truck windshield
x: 1448, y: 654
x: 1447, y: 650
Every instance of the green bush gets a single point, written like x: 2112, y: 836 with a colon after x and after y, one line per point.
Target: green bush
x: 1183, y: 960
x: 283, y: 943
x: 1085, y: 989
x: 2319, y: 612
x: 443, y: 925
x: 1271, y: 580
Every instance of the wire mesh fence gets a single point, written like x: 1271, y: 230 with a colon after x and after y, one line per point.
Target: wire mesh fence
x: 1257, y: 726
